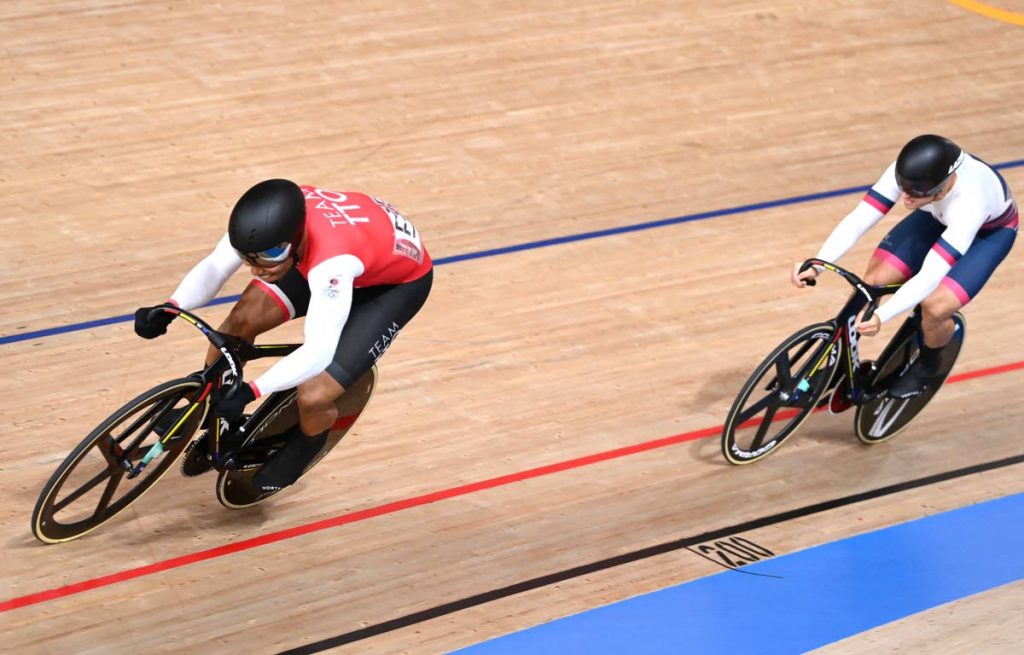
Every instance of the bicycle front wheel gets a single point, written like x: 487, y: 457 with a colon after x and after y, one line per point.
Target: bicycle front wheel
x: 780, y: 394
x: 94, y: 482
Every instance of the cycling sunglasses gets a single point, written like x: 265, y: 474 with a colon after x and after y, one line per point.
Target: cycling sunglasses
x: 269, y: 257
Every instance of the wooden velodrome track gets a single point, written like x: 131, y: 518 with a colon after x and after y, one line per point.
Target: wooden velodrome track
x: 130, y: 128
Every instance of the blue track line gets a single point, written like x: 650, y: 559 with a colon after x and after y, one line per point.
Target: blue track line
x: 530, y: 245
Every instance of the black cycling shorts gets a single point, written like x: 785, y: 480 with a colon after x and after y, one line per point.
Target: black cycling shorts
x: 378, y: 314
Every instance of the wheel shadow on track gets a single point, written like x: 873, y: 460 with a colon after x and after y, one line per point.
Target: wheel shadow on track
x: 821, y: 429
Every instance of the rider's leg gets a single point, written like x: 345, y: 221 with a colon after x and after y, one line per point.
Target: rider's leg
x: 937, y: 329
x: 317, y: 413
x: 256, y: 312
x: 885, y: 270
x: 963, y: 282
x: 894, y: 261
x: 317, y: 410
x: 937, y: 317
x: 377, y: 316
x: 262, y: 307
x: 902, y: 250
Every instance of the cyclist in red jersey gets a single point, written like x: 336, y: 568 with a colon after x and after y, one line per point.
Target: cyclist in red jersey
x: 353, y: 265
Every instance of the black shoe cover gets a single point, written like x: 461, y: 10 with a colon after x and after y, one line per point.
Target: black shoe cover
x: 914, y: 381
x: 287, y: 464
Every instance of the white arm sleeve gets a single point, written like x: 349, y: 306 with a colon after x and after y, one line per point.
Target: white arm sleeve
x: 330, y: 285
x: 202, y: 283
x: 875, y: 204
x: 849, y: 230
x: 917, y: 288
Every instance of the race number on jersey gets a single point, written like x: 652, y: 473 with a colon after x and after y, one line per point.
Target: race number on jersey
x: 407, y: 238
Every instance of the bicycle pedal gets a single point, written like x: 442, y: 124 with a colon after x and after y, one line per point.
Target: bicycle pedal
x: 873, y: 394
x: 246, y: 458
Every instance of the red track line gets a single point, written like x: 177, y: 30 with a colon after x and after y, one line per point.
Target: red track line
x: 995, y: 370
x: 397, y: 506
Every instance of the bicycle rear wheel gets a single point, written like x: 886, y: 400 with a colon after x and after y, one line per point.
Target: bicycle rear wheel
x: 92, y: 484
x: 234, y: 486
x: 791, y: 380
x: 882, y: 418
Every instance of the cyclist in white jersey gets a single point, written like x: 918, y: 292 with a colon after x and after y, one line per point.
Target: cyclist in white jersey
x: 963, y: 223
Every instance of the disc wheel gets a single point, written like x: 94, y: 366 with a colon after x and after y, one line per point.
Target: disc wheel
x: 882, y: 418
x: 235, y: 489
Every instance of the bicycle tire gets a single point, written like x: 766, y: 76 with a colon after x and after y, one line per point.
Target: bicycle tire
x: 739, y: 417
x: 48, y: 528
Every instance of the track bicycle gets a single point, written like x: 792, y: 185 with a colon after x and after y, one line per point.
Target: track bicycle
x: 135, y: 446
x: 793, y: 379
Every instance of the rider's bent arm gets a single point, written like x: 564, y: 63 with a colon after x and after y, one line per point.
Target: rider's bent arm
x: 849, y: 230
x: 875, y: 204
x: 330, y: 285
x: 202, y: 283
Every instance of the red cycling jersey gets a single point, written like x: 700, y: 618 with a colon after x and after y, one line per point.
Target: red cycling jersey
x: 348, y: 223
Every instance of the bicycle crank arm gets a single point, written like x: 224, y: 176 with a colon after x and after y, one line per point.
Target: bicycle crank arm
x: 870, y: 395
x: 247, y: 457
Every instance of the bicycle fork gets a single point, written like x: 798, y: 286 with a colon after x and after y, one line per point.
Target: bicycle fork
x: 159, y: 447
x: 824, y: 360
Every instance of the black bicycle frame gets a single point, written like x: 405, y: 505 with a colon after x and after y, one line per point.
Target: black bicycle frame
x: 234, y: 351
x: 846, y: 337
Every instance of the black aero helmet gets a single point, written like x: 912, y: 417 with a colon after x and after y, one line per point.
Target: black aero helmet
x: 267, y: 222
x: 925, y: 163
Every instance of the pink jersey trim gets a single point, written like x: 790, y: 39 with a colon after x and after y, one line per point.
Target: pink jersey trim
x: 255, y: 389
x: 894, y: 261
x: 945, y: 254
x: 957, y: 290
x: 1008, y: 219
x: 876, y: 204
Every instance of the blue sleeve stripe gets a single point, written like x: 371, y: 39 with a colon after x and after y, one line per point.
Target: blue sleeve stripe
x: 880, y: 199
x: 948, y: 248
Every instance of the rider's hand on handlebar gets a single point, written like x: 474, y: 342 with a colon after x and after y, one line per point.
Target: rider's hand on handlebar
x: 150, y: 322
x: 232, y: 408
x: 868, y: 328
x: 799, y: 279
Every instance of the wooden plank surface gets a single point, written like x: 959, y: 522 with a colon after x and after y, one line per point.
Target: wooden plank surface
x: 131, y: 128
